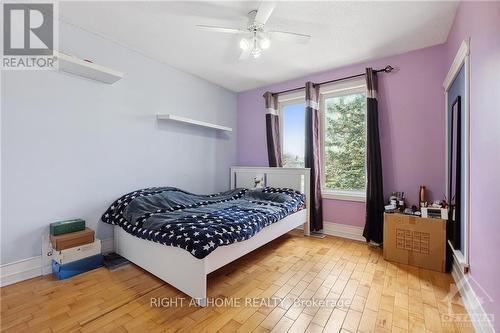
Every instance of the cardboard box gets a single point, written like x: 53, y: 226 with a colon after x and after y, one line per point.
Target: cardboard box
x: 415, y: 241
x: 66, y: 241
x: 76, y: 253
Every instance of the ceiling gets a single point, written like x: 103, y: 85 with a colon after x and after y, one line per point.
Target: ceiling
x: 342, y: 33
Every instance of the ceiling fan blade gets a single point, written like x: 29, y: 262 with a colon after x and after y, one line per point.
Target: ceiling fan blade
x: 290, y: 36
x: 245, y: 54
x: 220, y: 29
x: 264, y: 12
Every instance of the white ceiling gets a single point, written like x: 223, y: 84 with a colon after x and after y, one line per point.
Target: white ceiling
x: 342, y: 33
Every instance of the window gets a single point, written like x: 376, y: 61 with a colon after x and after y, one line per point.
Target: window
x: 292, y: 117
x: 343, y: 109
x: 343, y: 126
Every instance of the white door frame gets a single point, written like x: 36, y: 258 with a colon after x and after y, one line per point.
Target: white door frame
x: 461, y: 59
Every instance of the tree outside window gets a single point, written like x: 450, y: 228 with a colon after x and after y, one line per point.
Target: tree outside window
x: 345, y: 142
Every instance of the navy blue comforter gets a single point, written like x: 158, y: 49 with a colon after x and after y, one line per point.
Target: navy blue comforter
x: 201, y: 223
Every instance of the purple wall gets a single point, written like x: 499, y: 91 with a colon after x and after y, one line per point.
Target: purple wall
x: 412, y: 133
x: 411, y: 125
x: 481, y: 22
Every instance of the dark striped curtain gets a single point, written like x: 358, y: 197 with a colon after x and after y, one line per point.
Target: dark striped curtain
x: 273, y: 130
x: 374, y: 221
x: 313, y: 155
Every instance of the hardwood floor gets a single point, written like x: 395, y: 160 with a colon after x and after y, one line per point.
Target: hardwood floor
x: 360, y: 292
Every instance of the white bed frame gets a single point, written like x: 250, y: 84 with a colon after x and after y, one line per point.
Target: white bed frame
x: 189, y: 274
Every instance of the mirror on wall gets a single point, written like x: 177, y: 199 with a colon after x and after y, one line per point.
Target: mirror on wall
x: 454, y: 179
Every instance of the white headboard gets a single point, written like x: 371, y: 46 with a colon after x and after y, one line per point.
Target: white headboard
x: 295, y: 178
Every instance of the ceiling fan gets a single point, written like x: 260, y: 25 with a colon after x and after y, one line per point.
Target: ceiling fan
x: 255, y: 38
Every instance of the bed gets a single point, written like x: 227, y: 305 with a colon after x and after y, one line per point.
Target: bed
x: 200, y: 233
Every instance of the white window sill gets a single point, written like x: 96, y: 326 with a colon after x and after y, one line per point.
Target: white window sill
x: 344, y: 195
x: 459, y: 259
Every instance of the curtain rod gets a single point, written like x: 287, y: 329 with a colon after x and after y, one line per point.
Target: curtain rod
x: 386, y: 69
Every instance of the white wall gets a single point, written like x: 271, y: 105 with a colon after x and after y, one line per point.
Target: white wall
x: 70, y: 146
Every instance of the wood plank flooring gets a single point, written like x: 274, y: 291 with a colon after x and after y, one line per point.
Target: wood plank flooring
x: 283, y: 282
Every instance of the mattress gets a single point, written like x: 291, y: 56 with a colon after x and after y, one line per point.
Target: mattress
x: 201, y: 223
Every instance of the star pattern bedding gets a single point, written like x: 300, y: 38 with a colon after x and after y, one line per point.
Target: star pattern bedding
x: 201, y: 223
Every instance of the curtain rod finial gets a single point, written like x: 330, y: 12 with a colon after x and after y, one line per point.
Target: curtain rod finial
x: 388, y: 69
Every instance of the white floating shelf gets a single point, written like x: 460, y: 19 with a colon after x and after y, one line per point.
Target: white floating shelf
x: 74, y: 65
x: 192, y: 122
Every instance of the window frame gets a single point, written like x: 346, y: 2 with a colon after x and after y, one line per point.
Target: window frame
x: 285, y: 100
x: 327, y: 91
x: 336, y: 90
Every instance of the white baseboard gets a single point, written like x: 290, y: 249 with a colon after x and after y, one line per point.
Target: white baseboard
x: 344, y: 231
x: 471, y: 302
x: 32, y: 267
x: 36, y: 266
x: 20, y: 270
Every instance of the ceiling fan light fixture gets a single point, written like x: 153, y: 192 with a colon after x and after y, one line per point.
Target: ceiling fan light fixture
x: 265, y: 43
x: 244, y: 44
x: 255, y: 39
x: 256, y: 52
